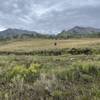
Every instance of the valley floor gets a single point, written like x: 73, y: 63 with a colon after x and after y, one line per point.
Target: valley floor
x: 50, y: 77
x: 42, y: 44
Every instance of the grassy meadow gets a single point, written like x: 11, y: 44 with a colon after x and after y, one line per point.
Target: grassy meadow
x: 42, y: 44
x: 64, y: 76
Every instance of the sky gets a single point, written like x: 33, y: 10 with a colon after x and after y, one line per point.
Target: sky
x: 49, y: 16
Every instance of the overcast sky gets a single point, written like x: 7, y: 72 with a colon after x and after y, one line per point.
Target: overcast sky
x: 49, y: 16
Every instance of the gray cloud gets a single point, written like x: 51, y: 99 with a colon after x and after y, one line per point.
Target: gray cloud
x: 49, y: 16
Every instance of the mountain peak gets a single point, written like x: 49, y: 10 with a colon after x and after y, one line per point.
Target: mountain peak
x: 78, y: 31
x: 13, y: 32
x: 83, y: 30
x: 78, y: 27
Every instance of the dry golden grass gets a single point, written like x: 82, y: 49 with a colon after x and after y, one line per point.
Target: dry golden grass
x: 35, y: 44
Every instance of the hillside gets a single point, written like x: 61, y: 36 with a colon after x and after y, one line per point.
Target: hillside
x: 78, y: 31
x: 18, y: 33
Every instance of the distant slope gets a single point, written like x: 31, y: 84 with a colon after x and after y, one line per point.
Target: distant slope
x: 78, y: 31
x: 18, y: 33
x: 83, y: 30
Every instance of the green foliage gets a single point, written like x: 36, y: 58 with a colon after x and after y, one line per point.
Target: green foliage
x: 76, y: 51
x: 29, y: 74
x: 63, y: 77
x: 80, y: 71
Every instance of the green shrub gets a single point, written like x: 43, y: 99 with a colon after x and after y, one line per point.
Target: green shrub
x: 29, y: 74
x: 79, y: 71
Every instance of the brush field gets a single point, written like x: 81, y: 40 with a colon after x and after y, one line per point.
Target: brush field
x: 64, y: 76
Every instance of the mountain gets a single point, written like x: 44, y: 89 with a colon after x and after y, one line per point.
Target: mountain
x: 18, y: 33
x: 75, y: 32
x: 83, y: 30
x: 78, y: 31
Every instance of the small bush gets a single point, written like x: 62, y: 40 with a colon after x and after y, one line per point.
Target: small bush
x: 29, y: 74
x: 77, y: 51
x: 79, y: 71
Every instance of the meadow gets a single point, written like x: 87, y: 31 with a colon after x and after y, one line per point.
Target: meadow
x: 69, y: 73
x: 43, y: 44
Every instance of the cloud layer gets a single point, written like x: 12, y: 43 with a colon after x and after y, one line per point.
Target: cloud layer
x: 49, y: 16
